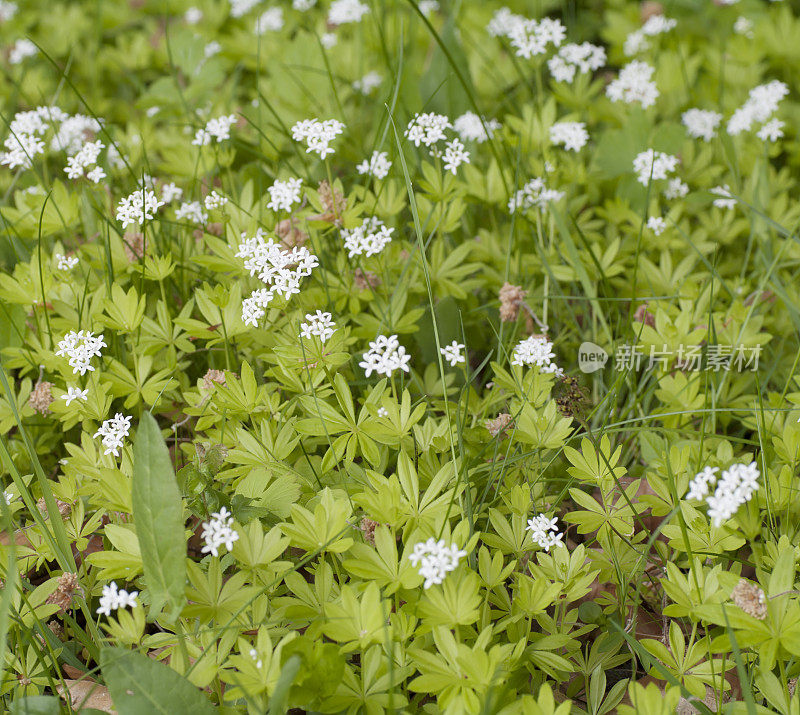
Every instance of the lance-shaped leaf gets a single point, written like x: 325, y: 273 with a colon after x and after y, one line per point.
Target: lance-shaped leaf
x: 158, y: 513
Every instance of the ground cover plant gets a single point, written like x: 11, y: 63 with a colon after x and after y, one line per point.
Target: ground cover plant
x: 364, y: 357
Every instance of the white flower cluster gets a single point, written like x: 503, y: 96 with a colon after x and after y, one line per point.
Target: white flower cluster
x: 214, y: 201
x: 637, y: 40
x: 218, y: 532
x: 84, y: 158
x: 22, y: 48
x: 726, y: 200
x: 139, y: 207
x: 193, y: 16
x: 734, y: 487
x: 113, y: 432
x: 319, y: 324
x: 368, y: 239
x: 571, y: 135
x: 503, y: 22
x: 573, y: 58
x: 170, y: 192
x: 80, y: 348
x: 20, y: 150
x: 317, y: 135
x: 269, y: 21
x: 536, y: 350
x: 242, y: 7
x: 75, y: 393
x: 385, y: 355
x: 532, y: 37
x: 114, y: 598
x: 279, y: 269
x: 9, y: 498
x: 73, y: 131
x: 544, y: 531
x: 377, y: 165
x: 470, y: 127
x: 284, y: 194
x: 657, y: 224
x: 634, y: 84
x: 761, y: 104
x: 676, y: 189
x: 368, y: 83
x: 701, y: 123
x: 191, y: 211
x: 743, y: 26
x: 343, y: 11
x: 454, y: 155
x: 771, y: 131
x: 7, y: 10
x: 534, y: 193
x: 435, y: 560
x: 453, y: 353
x: 653, y: 165
x: 427, y: 128
x: 218, y: 128
x: 66, y: 263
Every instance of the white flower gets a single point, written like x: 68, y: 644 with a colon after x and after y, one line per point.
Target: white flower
x: 141, y: 205
x: 279, y: 269
x: 22, y: 48
x: 574, y: 58
x: 503, y: 22
x: 369, y: 82
x: 676, y: 189
x: 634, y: 85
x: 7, y: 10
x: 385, y: 355
x: 344, y: 11
x: 572, y: 135
x: 735, y: 486
x: 242, y: 7
x: 455, y: 155
x: 85, y: 157
x: 727, y: 201
x: 317, y: 135
x: 193, y: 15
x: 270, y: 21
x: 656, y: 224
x: 531, y: 37
x: 96, y: 175
x: 428, y: 129
x: 377, y: 165
x: 9, y: 497
x: 284, y: 194
x: 20, y: 150
x: 211, y: 49
x: 113, y: 432
x: 771, y: 131
x: 536, y: 350
x: 452, y: 353
x: 170, y: 192
x: 319, y: 324
x: 544, y: 531
x: 214, y: 201
x: 303, y: 5
x: 470, y: 127
x: 218, y: 531
x: 191, y: 211
x: 80, y: 348
x: 114, y: 598
x: 328, y: 40
x: 534, y: 193
x: 701, y: 123
x: 637, y: 41
x: 368, y: 239
x: 435, y: 560
x: 73, y: 130
x: 383, y: 412
x: 426, y: 7
x: 75, y: 393
x: 653, y: 165
x: 218, y: 128
x: 743, y: 26
x: 66, y: 263
x: 699, y: 487
x: 761, y: 104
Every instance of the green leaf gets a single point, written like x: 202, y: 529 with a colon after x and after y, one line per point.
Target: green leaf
x: 158, y: 513
x: 279, y: 702
x: 35, y: 705
x: 142, y: 686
